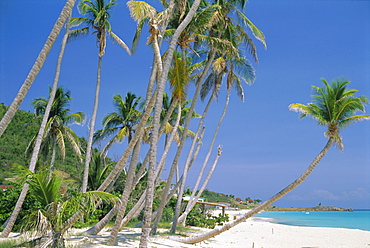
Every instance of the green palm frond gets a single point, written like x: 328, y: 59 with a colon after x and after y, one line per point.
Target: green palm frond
x: 256, y: 32
x: 77, y: 33
x: 179, y: 78
x: 45, y: 189
x: 334, y: 106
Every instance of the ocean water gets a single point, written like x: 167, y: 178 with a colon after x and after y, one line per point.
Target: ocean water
x: 358, y: 219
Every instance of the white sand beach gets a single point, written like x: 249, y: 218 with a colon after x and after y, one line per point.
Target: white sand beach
x: 252, y: 233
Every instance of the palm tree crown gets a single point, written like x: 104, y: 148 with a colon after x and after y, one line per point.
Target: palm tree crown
x: 57, y: 130
x: 120, y: 123
x: 334, y: 106
x: 98, y: 15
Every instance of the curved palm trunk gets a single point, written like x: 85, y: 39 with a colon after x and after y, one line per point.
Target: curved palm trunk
x: 192, y: 203
x: 290, y: 187
x: 183, y: 138
x: 126, y: 194
x: 122, y: 161
x: 52, y: 162
x: 153, y: 152
x: 170, y: 176
x: 40, y: 135
x: 66, y: 11
x: 92, y: 129
x: 182, y: 185
x: 103, y: 222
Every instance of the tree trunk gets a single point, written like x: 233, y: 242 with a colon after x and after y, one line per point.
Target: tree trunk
x: 92, y: 129
x: 290, y: 187
x: 40, y: 135
x: 66, y: 11
x: 153, y: 151
x: 52, y: 162
x: 170, y: 176
x: 193, y: 201
x: 126, y: 194
x: 191, y: 205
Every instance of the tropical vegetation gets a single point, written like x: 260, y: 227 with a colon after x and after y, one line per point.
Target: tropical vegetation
x: 205, y: 46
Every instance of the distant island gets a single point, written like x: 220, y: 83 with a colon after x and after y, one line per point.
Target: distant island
x: 309, y: 209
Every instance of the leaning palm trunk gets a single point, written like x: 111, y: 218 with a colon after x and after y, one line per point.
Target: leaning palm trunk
x: 182, y: 185
x: 92, y: 129
x: 122, y: 161
x: 40, y: 135
x: 66, y: 11
x: 52, y: 162
x: 126, y: 194
x: 170, y: 176
x: 103, y: 222
x: 120, y: 164
x: 153, y: 150
x: 290, y: 187
x: 192, y: 200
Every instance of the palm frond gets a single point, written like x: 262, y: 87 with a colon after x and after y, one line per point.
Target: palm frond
x: 78, y: 33
x: 256, y: 32
x: 120, y: 42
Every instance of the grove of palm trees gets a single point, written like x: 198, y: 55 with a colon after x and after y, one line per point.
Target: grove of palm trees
x: 137, y: 161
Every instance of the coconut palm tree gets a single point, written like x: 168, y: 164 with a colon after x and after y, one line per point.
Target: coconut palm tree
x: 63, y: 16
x: 333, y: 106
x: 57, y: 206
x: 98, y: 15
x: 57, y: 132
x: 157, y: 111
x: 120, y: 123
x: 40, y: 135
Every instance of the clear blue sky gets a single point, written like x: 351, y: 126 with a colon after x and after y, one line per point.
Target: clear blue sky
x: 265, y: 146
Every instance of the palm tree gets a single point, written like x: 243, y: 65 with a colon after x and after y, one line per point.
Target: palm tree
x: 36, y: 148
x: 57, y: 132
x: 120, y: 123
x: 57, y: 206
x: 334, y: 106
x: 157, y: 111
x: 98, y: 14
x: 63, y: 16
x: 98, y: 170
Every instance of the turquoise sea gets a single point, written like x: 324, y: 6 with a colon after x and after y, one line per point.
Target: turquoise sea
x: 358, y: 219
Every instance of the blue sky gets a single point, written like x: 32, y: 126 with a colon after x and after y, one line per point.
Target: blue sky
x: 265, y: 146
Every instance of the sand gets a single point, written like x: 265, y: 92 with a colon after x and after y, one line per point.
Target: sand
x: 252, y: 233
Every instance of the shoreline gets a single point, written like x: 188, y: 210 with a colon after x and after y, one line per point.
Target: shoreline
x: 255, y: 232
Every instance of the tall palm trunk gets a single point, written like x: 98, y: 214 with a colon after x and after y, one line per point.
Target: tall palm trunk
x: 286, y: 190
x: 192, y: 202
x: 92, y: 128
x: 40, y: 135
x: 66, y: 11
x: 52, y: 161
x: 126, y: 194
x: 183, y: 138
x: 103, y: 222
x: 170, y: 176
x: 182, y: 186
x: 153, y: 147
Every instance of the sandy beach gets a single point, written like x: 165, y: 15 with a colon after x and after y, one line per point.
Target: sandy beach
x: 252, y: 233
